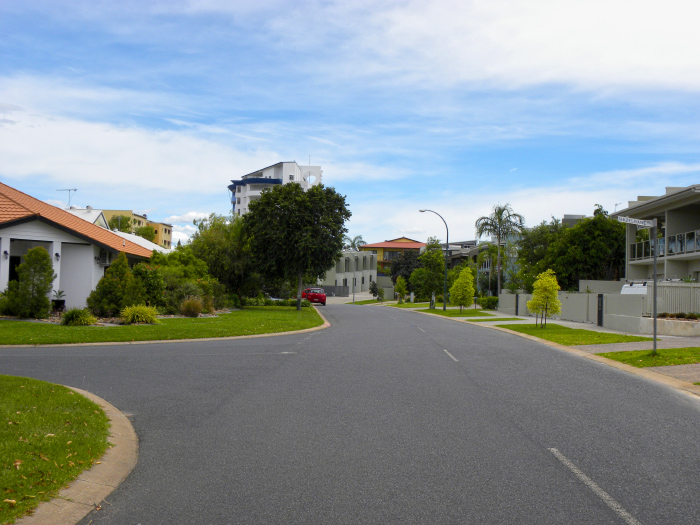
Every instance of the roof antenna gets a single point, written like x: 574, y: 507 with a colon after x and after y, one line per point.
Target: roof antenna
x: 69, y: 190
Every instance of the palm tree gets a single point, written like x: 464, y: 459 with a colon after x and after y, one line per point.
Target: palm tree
x: 500, y: 224
x: 488, y: 255
x: 354, y: 243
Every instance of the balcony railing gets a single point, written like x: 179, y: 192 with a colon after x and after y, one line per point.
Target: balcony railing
x: 678, y: 244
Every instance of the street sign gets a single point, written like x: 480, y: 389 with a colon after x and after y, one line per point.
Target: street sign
x: 638, y: 222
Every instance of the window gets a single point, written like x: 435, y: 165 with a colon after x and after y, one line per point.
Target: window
x: 363, y: 279
x: 238, y: 200
x: 239, y: 189
x: 291, y: 177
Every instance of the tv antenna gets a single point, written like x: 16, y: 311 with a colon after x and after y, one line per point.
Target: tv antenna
x: 69, y: 190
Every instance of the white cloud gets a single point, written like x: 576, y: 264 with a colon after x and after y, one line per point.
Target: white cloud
x: 186, y: 218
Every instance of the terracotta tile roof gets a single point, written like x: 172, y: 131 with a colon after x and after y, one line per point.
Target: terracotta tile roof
x: 16, y: 206
x: 391, y: 244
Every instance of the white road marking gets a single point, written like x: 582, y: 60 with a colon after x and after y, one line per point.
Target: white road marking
x: 419, y: 328
x: 453, y: 357
x: 393, y: 317
x: 607, y: 499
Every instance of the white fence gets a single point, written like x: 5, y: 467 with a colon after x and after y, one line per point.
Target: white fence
x: 673, y: 298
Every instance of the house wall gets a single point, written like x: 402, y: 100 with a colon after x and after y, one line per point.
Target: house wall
x: 77, y: 272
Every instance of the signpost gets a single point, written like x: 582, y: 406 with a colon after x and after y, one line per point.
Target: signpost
x: 654, y: 242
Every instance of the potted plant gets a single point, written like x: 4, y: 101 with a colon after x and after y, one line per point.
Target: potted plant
x: 58, y: 302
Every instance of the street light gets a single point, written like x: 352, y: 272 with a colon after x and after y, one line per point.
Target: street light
x: 447, y: 249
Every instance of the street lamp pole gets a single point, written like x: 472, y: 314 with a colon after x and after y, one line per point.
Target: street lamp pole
x: 447, y: 250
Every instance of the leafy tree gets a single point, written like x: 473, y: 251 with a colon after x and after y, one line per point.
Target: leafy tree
x: 121, y: 223
x: 353, y: 243
x: 502, y: 223
x: 108, y: 297
x: 403, y: 266
x: 430, y: 278
x: 147, y: 232
x: 511, y: 272
x: 36, y: 277
x: 462, y: 291
x: 374, y: 288
x: 401, y: 288
x: 490, y: 255
x: 545, y: 300
x: 221, y: 242
x: 532, y: 250
x: 295, y: 233
x: 151, y: 278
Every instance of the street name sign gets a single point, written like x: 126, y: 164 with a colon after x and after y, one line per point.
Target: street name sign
x: 638, y: 222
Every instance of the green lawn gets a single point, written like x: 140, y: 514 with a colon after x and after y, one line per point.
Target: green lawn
x: 368, y: 301
x: 665, y: 357
x: 494, y: 320
x: 252, y: 320
x: 48, y: 436
x: 572, y: 336
x: 418, y: 305
x: 457, y: 313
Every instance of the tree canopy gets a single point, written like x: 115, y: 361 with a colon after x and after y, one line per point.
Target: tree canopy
x: 545, y: 300
x: 462, y: 291
x: 353, y: 243
x: 295, y: 233
x: 502, y: 222
x: 403, y: 266
x: 121, y: 223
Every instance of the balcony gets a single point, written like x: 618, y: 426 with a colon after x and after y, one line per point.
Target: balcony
x: 678, y: 244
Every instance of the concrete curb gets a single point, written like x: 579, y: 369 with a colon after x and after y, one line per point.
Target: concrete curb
x: 647, y: 374
x: 325, y: 325
x: 85, y: 493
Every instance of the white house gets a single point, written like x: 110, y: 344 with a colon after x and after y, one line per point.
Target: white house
x: 248, y: 189
x: 79, y: 249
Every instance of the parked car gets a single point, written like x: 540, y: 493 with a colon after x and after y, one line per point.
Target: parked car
x: 314, y: 295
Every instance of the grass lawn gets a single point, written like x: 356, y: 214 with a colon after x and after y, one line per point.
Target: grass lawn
x: 48, y: 436
x: 368, y: 301
x: 494, y: 320
x: 457, y: 313
x: 572, y: 336
x: 665, y: 357
x: 252, y: 320
x: 417, y: 305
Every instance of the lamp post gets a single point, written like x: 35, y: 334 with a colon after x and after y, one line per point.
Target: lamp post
x: 447, y: 249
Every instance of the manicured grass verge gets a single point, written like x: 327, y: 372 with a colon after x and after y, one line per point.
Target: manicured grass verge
x: 457, y: 313
x: 368, y: 301
x: 250, y: 321
x: 494, y: 320
x: 416, y: 305
x: 572, y: 336
x: 48, y: 436
x: 665, y: 357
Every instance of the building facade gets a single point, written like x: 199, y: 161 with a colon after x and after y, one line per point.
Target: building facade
x: 387, y: 251
x: 356, y: 269
x: 250, y: 186
x: 678, y: 230
x: 163, y: 231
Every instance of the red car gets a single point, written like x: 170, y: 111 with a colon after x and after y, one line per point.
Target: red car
x: 314, y: 295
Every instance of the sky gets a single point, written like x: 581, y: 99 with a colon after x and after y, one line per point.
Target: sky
x: 551, y: 106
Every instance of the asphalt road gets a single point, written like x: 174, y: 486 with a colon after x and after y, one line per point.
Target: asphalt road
x: 386, y: 417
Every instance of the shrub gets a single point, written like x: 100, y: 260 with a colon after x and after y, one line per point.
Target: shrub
x: 662, y: 315
x: 680, y: 315
x: 152, y: 280
x: 234, y: 300
x: 108, y: 297
x: 691, y: 316
x: 304, y: 303
x: 10, y: 302
x: 35, y: 281
x: 380, y: 294
x: 488, y: 303
x: 78, y: 317
x: 191, y: 307
x: 139, y: 314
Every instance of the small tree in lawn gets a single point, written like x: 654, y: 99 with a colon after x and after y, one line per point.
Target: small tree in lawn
x: 36, y: 277
x: 545, y: 300
x: 462, y: 290
x: 401, y: 289
x: 108, y: 297
x: 374, y: 288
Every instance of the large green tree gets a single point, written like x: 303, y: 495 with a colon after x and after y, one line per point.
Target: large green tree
x: 221, y: 243
x: 147, y: 232
x: 295, y: 233
x: 403, y: 266
x: 430, y: 277
x: 594, y: 248
x: 533, y: 246
x: 502, y: 223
